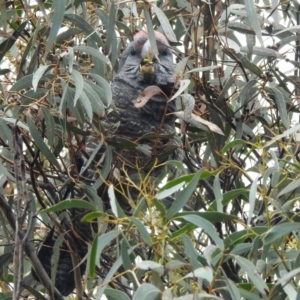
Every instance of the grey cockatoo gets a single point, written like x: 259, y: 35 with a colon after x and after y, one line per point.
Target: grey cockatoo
x: 150, y: 128
x: 140, y: 68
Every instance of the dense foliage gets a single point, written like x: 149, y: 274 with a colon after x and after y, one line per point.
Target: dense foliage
x: 227, y: 227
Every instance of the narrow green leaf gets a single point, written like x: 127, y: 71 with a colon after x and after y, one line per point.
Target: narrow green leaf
x: 143, y: 231
x: 115, y: 267
x: 245, y: 62
x: 252, y: 199
x: 202, y: 272
x: 87, y: 28
x: 247, y: 92
x: 211, y: 216
x: 106, y: 88
x: 78, y: 83
x: 95, y: 100
x: 50, y: 125
x: 249, y: 294
x: 85, y: 101
x: 190, y: 251
x: 34, y: 292
x: 183, y: 196
x: 184, y: 83
x: 279, y: 231
x: 4, y: 71
x: 241, y: 249
x: 70, y: 203
x: 116, y: 294
x: 152, y: 265
x: 288, y: 286
x: 64, y: 97
x: 5, y: 258
x: 240, y: 27
x: 289, y: 188
x: 127, y: 260
x: 55, y: 258
x: 232, y: 289
x: 58, y: 16
x: 68, y: 34
x: 283, y: 135
x: 71, y: 59
x: 253, y: 19
x: 165, y: 192
x: 38, y: 74
x: 96, y: 89
x: 203, y: 69
x: 96, y: 150
x: 175, y: 264
x: 176, y: 182
x: 106, y: 168
x: 248, y: 267
x: 147, y: 291
x: 208, y: 227
x: 288, y: 277
x: 5, y: 172
x: 16, y: 122
x: 218, y: 193
x: 93, y: 52
x: 40, y: 143
x: 94, y: 215
x: 23, y: 83
x: 240, y: 236
x: 92, y: 196
x: 233, y: 144
x: 165, y: 24
x: 198, y: 296
x: 177, y: 165
x: 115, y: 207
x: 103, y: 241
x: 6, y: 45
x: 150, y: 31
x: 102, y: 15
x: 93, y: 259
x: 181, y: 66
x: 262, y: 51
x: 291, y: 29
x: 281, y: 105
x: 227, y: 197
x: 111, y: 41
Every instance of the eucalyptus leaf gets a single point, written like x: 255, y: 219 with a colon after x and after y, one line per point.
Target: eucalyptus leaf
x: 183, y: 196
x: 279, y: 231
x: 206, y: 226
x: 147, y: 291
x: 248, y: 267
x: 58, y: 15
x: 41, y: 144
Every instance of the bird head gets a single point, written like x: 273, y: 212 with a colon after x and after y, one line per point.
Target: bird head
x: 139, y: 62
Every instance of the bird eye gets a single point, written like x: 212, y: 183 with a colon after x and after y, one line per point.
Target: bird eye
x: 132, y: 52
x: 165, y: 52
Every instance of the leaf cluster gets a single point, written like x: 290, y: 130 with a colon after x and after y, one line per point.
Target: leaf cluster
x: 228, y: 226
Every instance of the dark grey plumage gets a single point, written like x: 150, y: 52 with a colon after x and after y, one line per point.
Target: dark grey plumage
x: 64, y: 280
x: 139, y: 68
x: 133, y: 78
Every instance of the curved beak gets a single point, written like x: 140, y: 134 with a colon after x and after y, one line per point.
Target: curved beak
x: 149, y: 58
